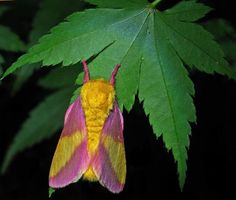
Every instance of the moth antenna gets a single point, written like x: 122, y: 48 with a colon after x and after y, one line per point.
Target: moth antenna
x: 86, y: 71
x: 113, y: 75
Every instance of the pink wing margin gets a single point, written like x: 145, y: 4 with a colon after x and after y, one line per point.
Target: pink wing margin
x: 109, y: 164
x: 74, y: 123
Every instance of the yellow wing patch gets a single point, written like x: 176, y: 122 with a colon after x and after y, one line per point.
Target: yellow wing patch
x: 64, y: 151
x: 116, y: 152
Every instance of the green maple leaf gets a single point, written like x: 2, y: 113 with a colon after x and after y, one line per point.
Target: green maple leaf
x: 152, y: 47
x: 9, y: 41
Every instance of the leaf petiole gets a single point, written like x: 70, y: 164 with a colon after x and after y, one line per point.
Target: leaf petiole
x: 154, y: 3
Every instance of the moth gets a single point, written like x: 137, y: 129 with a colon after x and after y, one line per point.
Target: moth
x: 91, y: 145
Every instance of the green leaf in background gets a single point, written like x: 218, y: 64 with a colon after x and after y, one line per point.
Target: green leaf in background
x: 151, y: 46
x: 36, y: 128
x: 49, y: 14
x: 220, y: 28
x: 3, y: 9
x: 9, y: 41
x: 1, y: 62
x: 22, y: 75
x: 0, y: 72
x: 188, y: 11
x: 225, y: 34
x: 60, y: 77
x: 118, y: 3
x: 53, y: 106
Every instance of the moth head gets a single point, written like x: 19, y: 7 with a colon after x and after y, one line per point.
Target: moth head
x: 98, y: 94
x: 87, y: 77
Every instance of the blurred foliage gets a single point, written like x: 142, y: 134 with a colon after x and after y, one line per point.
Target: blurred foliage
x: 225, y: 34
x: 49, y: 14
x: 9, y: 41
x: 59, y: 81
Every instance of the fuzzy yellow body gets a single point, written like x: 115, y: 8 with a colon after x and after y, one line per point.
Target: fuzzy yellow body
x: 97, y: 97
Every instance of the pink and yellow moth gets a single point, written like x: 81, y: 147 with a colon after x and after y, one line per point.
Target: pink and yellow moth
x: 91, y: 144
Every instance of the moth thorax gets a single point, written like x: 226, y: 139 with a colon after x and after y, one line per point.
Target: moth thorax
x: 97, y: 98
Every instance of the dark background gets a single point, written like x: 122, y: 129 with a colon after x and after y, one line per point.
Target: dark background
x: 151, y: 169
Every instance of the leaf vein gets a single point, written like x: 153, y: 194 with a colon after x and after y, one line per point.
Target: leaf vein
x: 188, y: 39
x: 135, y: 37
x: 170, y: 102
x: 86, y: 33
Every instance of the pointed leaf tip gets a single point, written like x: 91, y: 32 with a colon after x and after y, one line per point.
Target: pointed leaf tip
x: 50, y: 191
